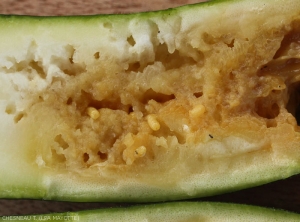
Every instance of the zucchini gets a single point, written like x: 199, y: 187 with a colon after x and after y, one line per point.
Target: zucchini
x: 174, y: 211
x: 187, y: 102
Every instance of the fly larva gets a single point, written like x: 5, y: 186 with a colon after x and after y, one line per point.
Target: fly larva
x: 153, y: 123
x: 93, y: 113
x: 140, y: 151
x: 197, y: 111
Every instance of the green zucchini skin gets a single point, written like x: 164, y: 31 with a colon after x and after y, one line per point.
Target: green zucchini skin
x: 173, y: 211
x: 26, y: 181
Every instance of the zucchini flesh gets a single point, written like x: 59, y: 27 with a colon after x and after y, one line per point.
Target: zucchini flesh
x: 176, y: 211
x: 181, y: 103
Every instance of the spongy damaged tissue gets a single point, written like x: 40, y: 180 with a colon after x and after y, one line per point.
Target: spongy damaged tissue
x: 157, y: 92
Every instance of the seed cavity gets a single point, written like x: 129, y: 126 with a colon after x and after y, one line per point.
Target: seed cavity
x: 61, y: 142
x: 198, y: 94
x: 97, y: 55
x: 19, y: 116
x: 10, y: 109
x: 86, y: 157
x: 131, y: 40
x: 103, y: 156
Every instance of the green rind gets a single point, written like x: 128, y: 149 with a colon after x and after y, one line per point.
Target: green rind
x: 140, y: 193
x: 113, y: 17
x: 64, y: 191
x: 176, y: 211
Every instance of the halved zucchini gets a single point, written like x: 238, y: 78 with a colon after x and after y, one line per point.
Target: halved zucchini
x: 181, y: 103
x: 173, y: 212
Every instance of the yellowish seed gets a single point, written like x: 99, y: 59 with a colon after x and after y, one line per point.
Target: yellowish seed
x: 93, y: 113
x: 128, y: 140
x: 129, y: 159
x: 197, y: 111
x: 153, y: 123
x: 140, y: 151
x: 234, y: 103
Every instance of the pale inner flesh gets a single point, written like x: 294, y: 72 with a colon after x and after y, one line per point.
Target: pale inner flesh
x: 238, y: 97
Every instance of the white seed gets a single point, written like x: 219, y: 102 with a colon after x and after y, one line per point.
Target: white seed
x: 197, y: 111
x: 153, y: 123
x: 185, y: 127
x: 39, y: 160
x: 93, y: 113
x: 140, y: 151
